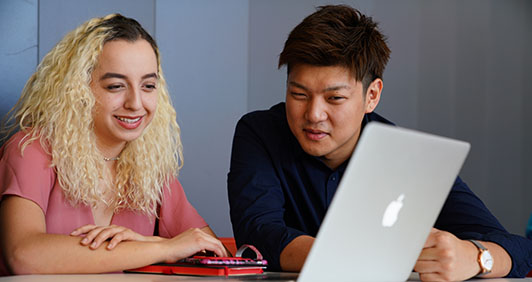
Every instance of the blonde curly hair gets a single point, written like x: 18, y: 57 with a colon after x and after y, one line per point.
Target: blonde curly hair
x: 56, y: 108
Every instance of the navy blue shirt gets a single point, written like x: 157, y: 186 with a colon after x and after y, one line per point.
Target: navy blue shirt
x: 278, y: 192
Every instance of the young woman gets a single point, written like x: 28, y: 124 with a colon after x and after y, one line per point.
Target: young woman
x: 91, y: 175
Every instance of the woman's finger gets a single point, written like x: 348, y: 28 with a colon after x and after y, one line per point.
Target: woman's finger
x: 105, y: 234
x: 119, y: 237
x: 83, y: 229
x: 89, y: 236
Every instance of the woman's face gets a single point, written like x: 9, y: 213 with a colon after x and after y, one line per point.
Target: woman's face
x: 124, y: 84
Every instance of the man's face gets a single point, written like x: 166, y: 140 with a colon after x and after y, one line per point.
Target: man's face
x: 325, y: 107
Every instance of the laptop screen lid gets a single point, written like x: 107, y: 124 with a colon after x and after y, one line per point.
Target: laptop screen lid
x: 385, y: 206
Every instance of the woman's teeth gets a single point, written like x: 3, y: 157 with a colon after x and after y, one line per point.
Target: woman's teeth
x: 128, y: 120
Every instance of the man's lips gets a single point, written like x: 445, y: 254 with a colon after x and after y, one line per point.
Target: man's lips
x: 315, y: 135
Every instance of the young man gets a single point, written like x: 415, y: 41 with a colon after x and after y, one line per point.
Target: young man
x: 287, y: 161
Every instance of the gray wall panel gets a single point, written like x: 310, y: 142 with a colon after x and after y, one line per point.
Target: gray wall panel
x: 204, y: 52
x: 400, y: 95
x: 504, y: 95
x: 18, y: 51
x: 526, y: 68
x: 58, y: 17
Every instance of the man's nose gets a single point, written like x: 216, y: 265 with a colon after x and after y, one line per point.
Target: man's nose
x: 316, y: 111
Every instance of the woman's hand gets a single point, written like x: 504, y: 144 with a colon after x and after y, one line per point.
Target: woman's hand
x: 94, y: 235
x: 191, y: 242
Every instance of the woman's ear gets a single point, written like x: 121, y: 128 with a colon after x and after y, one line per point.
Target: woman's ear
x: 373, y: 95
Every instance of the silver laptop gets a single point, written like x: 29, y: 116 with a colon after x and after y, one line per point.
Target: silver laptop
x: 386, y: 204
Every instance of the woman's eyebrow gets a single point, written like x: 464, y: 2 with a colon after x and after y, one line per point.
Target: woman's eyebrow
x: 154, y: 75
x: 112, y: 75
x: 121, y: 76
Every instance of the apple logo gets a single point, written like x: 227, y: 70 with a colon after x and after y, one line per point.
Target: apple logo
x: 392, y: 211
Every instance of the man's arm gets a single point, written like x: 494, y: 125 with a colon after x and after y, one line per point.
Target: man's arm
x: 466, y: 217
x: 295, y: 253
x: 256, y: 197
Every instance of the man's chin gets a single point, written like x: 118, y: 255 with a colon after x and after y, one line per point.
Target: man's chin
x: 315, y: 152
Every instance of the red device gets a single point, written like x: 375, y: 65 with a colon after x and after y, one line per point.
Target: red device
x: 209, y: 265
x: 180, y: 268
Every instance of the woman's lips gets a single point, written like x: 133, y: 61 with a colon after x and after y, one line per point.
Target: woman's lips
x: 129, y: 122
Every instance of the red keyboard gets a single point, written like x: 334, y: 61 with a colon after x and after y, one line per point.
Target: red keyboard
x: 224, y: 261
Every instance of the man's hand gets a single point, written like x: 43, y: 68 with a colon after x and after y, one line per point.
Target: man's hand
x: 446, y: 258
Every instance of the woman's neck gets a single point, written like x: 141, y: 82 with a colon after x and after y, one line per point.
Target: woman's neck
x: 110, y: 152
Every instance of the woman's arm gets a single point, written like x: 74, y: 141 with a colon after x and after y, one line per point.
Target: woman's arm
x: 94, y: 236
x: 27, y: 248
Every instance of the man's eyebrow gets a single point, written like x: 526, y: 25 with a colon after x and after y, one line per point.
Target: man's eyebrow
x: 293, y: 83
x: 327, y: 89
x: 336, y: 87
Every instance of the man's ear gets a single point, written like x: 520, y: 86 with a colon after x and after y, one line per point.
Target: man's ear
x: 373, y: 95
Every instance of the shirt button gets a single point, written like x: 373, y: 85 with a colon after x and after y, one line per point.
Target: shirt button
x: 333, y: 178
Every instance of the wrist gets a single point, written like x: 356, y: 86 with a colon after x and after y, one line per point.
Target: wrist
x: 154, y: 239
x: 484, y: 258
x: 162, y: 251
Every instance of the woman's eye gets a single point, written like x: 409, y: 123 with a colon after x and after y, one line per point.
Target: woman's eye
x: 114, y: 87
x: 150, y: 86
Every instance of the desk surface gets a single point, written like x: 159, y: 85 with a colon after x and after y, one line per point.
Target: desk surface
x: 132, y: 277
x: 122, y: 277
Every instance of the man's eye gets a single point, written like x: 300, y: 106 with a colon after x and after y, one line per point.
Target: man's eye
x: 336, y: 98
x: 298, y: 95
